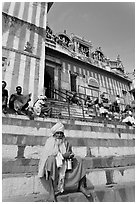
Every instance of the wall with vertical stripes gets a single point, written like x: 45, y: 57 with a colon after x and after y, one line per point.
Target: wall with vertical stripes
x: 22, y: 23
x: 108, y: 82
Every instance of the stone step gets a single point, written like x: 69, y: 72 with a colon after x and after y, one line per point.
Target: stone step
x: 59, y: 106
x: 21, y: 135
x: 124, y: 192
x: 98, y: 121
x: 73, y: 112
x: 31, y: 165
x: 109, y: 175
x: 113, y: 194
x: 94, y: 119
x: 46, y: 123
x: 33, y: 148
x: 116, y: 193
x: 95, y: 177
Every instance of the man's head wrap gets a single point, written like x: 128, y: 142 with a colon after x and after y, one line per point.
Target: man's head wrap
x: 41, y: 97
x: 58, y: 127
x: 4, y: 82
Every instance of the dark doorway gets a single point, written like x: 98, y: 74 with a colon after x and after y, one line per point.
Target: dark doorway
x: 49, y: 82
x: 73, y: 82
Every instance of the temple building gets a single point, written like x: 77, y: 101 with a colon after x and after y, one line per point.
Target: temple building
x: 40, y: 61
x: 72, y: 65
x: 62, y: 66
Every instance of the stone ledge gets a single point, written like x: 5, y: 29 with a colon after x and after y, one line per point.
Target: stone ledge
x: 35, y: 140
x: 116, y: 193
x: 21, y: 120
x: 26, y: 183
x: 31, y: 165
x: 109, y: 162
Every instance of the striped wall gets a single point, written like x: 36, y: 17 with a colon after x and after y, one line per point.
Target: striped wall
x: 104, y: 81
x: 108, y: 83
x: 22, y: 23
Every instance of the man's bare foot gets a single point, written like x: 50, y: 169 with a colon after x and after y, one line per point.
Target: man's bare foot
x: 85, y: 192
x: 51, y: 198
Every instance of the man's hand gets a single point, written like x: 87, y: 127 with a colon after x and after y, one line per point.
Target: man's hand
x: 66, y: 155
x: 71, y: 155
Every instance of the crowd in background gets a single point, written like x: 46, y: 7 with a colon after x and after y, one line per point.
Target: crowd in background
x: 106, y: 109
x: 101, y: 106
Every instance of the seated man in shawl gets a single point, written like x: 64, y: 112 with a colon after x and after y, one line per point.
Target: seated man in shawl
x: 59, y: 170
x: 18, y: 101
x: 4, y: 97
x: 41, y: 108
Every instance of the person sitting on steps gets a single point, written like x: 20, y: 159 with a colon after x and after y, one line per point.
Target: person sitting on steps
x: 4, y: 97
x: 41, y: 108
x: 19, y: 102
x: 59, y: 170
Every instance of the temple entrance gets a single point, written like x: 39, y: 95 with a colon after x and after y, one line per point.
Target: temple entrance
x: 49, y: 81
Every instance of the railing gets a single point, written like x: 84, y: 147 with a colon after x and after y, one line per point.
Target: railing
x: 65, y: 94
x: 69, y: 93
x: 110, y: 97
x: 59, y: 93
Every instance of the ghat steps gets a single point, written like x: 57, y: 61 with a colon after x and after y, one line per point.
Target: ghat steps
x: 107, y: 148
x: 75, y: 110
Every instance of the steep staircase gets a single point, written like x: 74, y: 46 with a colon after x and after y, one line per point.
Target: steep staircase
x: 73, y: 111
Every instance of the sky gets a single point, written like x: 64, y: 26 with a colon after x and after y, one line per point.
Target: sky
x: 109, y: 25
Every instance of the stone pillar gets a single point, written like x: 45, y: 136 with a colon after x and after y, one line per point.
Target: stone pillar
x: 59, y: 78
x: 42, y: 57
